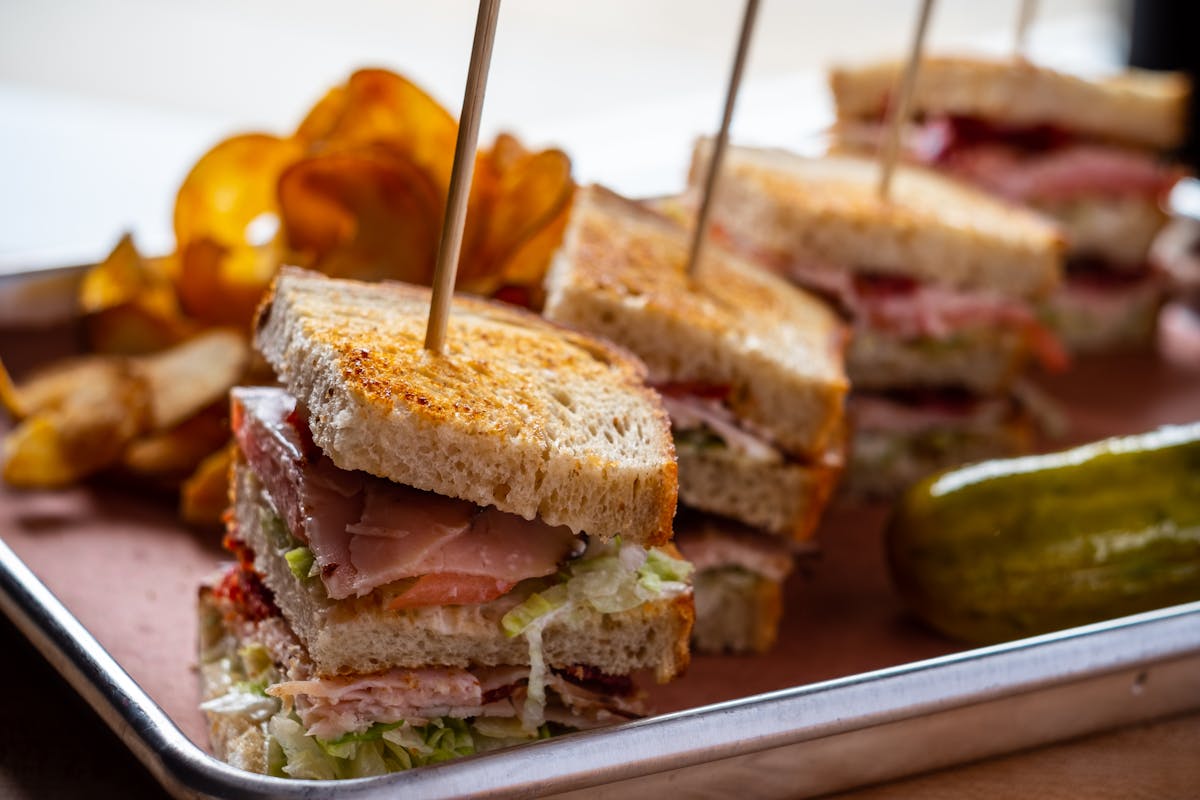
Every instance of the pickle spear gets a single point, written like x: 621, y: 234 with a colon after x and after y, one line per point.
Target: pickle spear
x: 1015, y: 547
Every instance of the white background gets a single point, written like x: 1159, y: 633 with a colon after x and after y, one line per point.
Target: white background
x: 105, y: 104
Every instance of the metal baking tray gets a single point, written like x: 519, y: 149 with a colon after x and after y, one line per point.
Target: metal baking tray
x: 794, y: 743
x: 844, y: 721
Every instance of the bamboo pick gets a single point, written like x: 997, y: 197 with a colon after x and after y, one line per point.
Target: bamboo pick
x: 700, y: 231
x: 450, y: 246
x: 1025, y: 14
x: 903, y: 99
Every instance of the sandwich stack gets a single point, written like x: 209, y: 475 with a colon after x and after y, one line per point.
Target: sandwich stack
x: 937, y: 280
x: 750, y: 369
x: 438, y: 553
x: 1090, y: 154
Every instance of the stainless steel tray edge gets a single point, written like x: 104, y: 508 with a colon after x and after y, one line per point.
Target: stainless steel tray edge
x: 681, y: 750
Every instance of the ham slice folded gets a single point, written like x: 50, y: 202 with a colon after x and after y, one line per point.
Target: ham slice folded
x: 1038, y: 164
x: 1077, y: 171
x: 364, y: 531
x: 690, y: 411
x: 710, y: 547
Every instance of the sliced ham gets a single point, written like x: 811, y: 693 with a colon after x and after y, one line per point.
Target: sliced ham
x: 709, y: 547
x: 925, y: 311
x: 1030, y: 164
x: 366, y: 532
x: 331, y: 707
x: 881, y: 412
x: 1077, y: 171
x: 690, y: 411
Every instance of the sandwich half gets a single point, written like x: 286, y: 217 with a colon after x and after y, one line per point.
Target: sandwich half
x: 437, y: 553
x: 750, y: 370
x: 1090, y: 154
x: 938, y: 282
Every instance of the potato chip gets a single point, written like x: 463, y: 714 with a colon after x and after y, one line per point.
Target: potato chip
x: 183, y: 380
x: 525, y: 222
x: 226, y: 223
x: 380, y: 107
x: 10, y: 398
x: 364, y: 214
x: 135, y: 328
x: 222, y: 285
x: 231, y: 187
x: 129, y: 304
x: 171, y: 456
x: 204, y: 497
x: 118, y: 279
x: 317, y: 125
x: 87, y: 414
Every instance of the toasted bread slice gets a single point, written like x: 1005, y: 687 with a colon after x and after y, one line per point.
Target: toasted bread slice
x: 983, y: 359
x: 359, y: 635
x: 621, y: 274
x: 516, y: 413
x: 1134, y: 107
x: 1116, y: 230
x: 827, y: 212
x: 1099, y: 318
x: 784, y: 498
x: 738, y: 584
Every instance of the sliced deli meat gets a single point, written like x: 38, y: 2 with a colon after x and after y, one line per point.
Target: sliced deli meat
x: 365, y: 532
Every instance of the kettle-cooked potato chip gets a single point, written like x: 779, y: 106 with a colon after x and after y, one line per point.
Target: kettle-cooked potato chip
x: 80, y: 420
x: 364, y: 214
x: 226, y: 226
x: 380, y: 107
x: 204, y: 497
x: 129, y: 304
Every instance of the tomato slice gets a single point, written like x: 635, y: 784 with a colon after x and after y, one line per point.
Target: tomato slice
x: 450, y: 589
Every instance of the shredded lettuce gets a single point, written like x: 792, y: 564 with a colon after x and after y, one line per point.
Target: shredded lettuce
x: 301, y: 562
x: 534, y: 607
x: 611, y: 578
x: 382, y: 748
x: 243, y: 699
x: 303, y: 757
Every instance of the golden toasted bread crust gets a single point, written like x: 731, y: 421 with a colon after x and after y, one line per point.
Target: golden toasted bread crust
x: 827, y: 213
x: 516, y: 413
x: 1134, y: 107
x: 621, y: 274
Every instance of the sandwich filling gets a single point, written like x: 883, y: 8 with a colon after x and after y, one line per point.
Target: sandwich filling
x: 361, y: 725
x: 365, y: 532
x: 917, y: 313
x: 356, y: 538
x: 1031, y: 164
x: 1107, y: 199
x: 738, y: 582
x: 701, y: 418
x: 900, y: 436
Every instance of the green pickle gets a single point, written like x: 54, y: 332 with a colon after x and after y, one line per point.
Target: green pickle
x: 1015, y: 547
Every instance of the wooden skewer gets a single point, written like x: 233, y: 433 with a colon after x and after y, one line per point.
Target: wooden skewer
x: 1025, y: 14
x: 699, y: 233
x: 463, y: 170
x: 902, y: 100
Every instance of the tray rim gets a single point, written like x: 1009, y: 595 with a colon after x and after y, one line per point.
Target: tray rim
x: 586, y: 759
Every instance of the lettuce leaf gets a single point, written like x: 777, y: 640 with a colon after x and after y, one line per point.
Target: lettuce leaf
x: 382, y: 748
